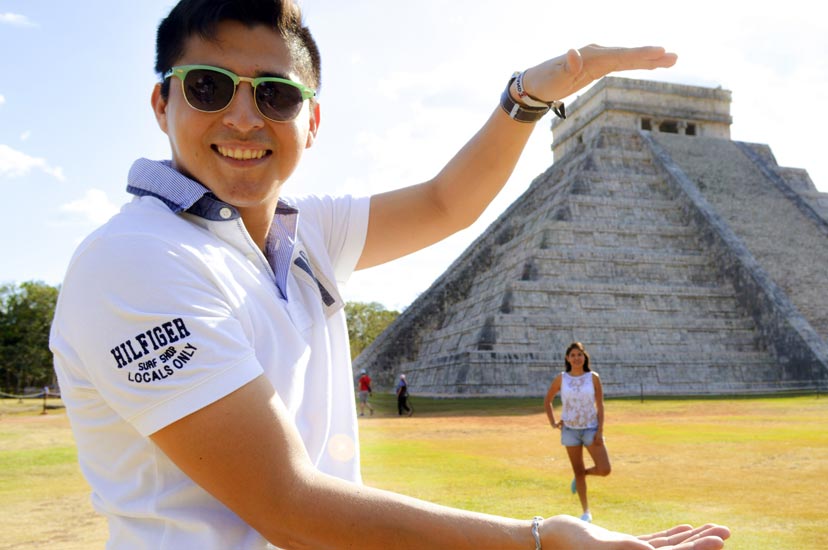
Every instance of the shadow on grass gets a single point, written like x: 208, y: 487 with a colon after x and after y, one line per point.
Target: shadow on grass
x: 386, y: 404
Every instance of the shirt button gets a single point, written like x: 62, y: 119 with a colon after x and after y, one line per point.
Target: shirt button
x: 226, y: 213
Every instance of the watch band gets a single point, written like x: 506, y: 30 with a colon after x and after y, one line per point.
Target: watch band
x: 518, y: 112
x: 528, y: 108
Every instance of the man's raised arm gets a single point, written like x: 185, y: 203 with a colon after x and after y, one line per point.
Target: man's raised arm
x: 409, y: 219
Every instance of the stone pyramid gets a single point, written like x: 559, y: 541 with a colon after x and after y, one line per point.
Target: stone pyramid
x: 685, y: 262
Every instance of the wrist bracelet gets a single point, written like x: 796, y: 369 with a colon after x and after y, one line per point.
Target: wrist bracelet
x: 536, y: 521
x: 523, y: 96
x: 519, y: 112
x: 557, y: 107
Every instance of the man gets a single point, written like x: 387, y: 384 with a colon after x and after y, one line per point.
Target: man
x: 364, y: 392
x: 402, y: 397
x: 200, y: 338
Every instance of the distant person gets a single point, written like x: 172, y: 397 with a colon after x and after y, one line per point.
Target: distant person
x: 200, y: 337
x: 365, y: 392
x: 582, y: 420
x: 403, y: 405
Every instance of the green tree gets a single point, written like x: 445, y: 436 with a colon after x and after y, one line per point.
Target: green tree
x: 26, y: 313
x: 366, y: 321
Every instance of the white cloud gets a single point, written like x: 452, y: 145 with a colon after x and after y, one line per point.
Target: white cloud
x: 16, y: 19
x: 95, y: 207
x: 56, y: 172
x: 2, y: 99
x: 14, y: 164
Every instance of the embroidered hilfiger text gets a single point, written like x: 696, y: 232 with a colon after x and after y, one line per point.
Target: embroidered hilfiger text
x: 147, y: 342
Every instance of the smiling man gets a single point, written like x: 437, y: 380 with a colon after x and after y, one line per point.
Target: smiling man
x: 200, y: 338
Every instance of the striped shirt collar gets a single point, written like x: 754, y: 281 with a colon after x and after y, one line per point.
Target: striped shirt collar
x: 182, y: 194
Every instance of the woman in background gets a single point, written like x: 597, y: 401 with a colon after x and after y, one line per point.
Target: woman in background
x: 582, y: 420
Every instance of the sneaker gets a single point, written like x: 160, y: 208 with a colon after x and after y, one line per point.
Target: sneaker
x: 573, y: 486
x: 587, y: 517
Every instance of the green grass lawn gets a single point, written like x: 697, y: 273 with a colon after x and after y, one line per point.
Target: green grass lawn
x: 758, y: 465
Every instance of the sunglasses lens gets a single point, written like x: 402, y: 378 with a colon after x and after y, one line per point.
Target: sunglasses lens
x: 278, y: 101
x: 208, y: 90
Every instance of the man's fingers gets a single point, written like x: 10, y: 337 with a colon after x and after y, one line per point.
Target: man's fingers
x: 656, y: 58
x: 606, y: 60
x: 706, y: 537
x: 667, y: 533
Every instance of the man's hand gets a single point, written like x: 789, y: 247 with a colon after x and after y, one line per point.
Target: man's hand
x: 561, y: 532
x: 684, y: 537
x: 564, y: 75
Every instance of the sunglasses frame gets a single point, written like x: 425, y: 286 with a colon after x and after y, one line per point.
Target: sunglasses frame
x: 182, y: 71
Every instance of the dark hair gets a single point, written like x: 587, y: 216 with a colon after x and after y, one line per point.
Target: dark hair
x: 580, y: 346
x: 201, y: 17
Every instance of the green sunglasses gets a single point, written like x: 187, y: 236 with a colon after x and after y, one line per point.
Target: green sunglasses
x: 211, y: 89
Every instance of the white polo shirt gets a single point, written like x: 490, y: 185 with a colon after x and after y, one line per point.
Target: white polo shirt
x: 169, y: 307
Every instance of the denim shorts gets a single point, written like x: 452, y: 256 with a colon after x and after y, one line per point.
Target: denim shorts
x: 573, y: 437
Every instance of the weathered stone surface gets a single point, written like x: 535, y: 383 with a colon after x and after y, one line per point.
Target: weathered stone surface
x: 685, y: 262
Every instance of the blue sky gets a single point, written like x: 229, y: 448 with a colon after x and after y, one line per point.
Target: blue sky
x: 405, y: 84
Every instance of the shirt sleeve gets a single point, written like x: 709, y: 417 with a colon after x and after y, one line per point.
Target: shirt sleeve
x: 151, y: 330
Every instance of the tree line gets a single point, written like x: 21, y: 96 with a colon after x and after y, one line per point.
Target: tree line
x: 26, y: 312
x: 27, y: 309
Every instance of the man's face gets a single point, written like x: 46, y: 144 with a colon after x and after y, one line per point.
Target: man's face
x: 241, y: 156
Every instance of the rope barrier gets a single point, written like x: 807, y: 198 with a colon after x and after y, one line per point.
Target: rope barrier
x: 41, y: 393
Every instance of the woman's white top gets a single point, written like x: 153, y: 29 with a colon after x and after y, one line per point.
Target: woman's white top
x: 578, y: 400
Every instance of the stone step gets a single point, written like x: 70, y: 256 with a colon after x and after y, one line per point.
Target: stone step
x: 601, y: 178
x: 630, y: 186
x: 656, y: 291
x: 555, y: 331
x: 626, y: 254
x: 625, y: 211
x: 624, y: 265
x: 671, y: 238
x: 642, y: 322
x: 625, y: 162
x: 523, y: 299
x: 650, y: 203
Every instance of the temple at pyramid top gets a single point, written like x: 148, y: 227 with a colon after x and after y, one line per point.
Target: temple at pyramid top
x: 646, y: 105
